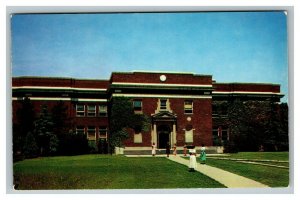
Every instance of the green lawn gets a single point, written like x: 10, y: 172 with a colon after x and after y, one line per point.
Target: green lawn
x: 106, y: 172
x: 272, y: 176
x: 282, y: 156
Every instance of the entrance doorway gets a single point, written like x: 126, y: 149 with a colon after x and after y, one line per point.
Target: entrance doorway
x: 163, y: 136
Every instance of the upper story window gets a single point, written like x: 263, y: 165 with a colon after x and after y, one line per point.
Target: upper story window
x: 91, y: 110
x: 163, y: 104
x: 102, y: 110
x: 137, y: 106
x: 80, y: 110
x: 188, y: 107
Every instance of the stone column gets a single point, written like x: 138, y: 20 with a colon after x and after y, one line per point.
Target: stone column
x: 174, y: 134
x: 154, y: 136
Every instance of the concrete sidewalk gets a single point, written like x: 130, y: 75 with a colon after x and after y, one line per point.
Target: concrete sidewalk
x: 228, y: 179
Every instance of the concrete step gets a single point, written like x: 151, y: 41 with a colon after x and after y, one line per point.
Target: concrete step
x: 161, y: 152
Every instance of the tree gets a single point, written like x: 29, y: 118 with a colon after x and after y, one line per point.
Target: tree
x: 61, y: 121
x: 277, y: 127
x: 256, y: 123
x: 31, y: 149
x: 122, y: 119
x: 47, y: 140
x: 24, y: 124
x: 73, y: 144
x: 284, y: 121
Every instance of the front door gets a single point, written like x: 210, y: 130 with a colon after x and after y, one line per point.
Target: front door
x: 163, y: 136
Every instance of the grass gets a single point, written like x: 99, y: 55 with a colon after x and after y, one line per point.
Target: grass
x: 282, y: 156
x: 106, y: 172
x: 272, y: 176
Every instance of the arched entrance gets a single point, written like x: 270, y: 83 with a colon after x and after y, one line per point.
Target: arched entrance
x: 164, y: 132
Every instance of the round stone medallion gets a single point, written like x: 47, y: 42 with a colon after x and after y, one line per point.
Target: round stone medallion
x: 163, y: 78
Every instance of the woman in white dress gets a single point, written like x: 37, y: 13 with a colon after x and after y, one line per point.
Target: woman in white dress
x: 153, y: 149
x: 193, y: 162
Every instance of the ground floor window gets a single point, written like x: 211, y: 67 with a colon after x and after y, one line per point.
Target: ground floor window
x: 224, y: 134
x: 189, y: 136
x: 80, y: 130
x: 91, y: 133
x: 216, y: 138
x: 103, y: 132
x: 138, y: 138
x: 220, y: 135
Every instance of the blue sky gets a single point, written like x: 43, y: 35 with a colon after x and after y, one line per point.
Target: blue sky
x: 231, y: 46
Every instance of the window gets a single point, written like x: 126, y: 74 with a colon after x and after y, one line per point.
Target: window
x: 102, y: 110
x: 80, y: 130
x: 137, y: 106
x: 214, y: 109
x: 138, y: 138
x: 189, y: 136
x: 91, y: 133
x: 80, y: 110
x: 102, y: 132
x: 163, y: 104
x: 188, y: 107
x: 224, y: 134
x: 91, y: 111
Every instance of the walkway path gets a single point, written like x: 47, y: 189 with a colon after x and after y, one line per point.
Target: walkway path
x: 256, y: 162
x: 228, y: 179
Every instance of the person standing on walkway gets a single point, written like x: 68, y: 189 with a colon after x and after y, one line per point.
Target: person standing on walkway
x: 202, y: 154
x: 153, y: 149
x: 184, y: 149
x: 193, y: 162
x: 168, y: 149
x: 174, y: 150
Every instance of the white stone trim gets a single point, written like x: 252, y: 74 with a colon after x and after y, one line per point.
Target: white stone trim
x: 164, y: 84
x: 60, y: 99
x: 138, y: 148
x: 244, y: 92
x: 94, y: 100
x: 45, y: 98
x: 162, y: 96
x: 59, y: 88
x: 161, y: 72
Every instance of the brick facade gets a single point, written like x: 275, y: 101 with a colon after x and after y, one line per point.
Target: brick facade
x: 179, y: 104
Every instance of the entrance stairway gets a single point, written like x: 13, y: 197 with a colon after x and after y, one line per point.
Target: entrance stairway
x: 209, y: 150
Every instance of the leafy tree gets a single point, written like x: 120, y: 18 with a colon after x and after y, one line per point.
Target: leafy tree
x: 31, y: 149
x: 284, y: 121
x: 256, y: 123
x: 277, y: 127
x: 47, y: 141
x: 61, y: 121
x: 102, y: 146
x: 73, y: 144
x: 53, y: 144
x: 122, y: 119
x: 24, y: 124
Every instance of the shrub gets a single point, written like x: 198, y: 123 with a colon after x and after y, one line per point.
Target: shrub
x: 73, y: 144
x: 30, y: 146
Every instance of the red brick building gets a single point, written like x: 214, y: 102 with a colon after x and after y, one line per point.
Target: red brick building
x: 181, y: 105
